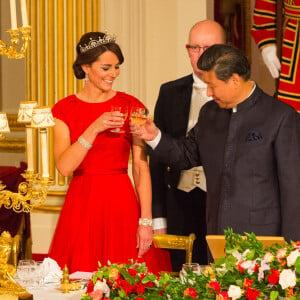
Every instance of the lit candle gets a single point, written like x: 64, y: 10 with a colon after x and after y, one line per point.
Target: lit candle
x: 13, y: 14
x: 24, y: 13
x: 44, y: 146
x: 29, y: 144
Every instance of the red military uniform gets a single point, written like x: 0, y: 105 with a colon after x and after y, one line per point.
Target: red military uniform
x: 264, y: 34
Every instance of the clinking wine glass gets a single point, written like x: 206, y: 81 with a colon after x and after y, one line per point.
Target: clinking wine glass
x: 138, y: 115
x: 124, y: 111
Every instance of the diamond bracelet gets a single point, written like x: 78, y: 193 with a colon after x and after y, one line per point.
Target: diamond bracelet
x: 145, y: 222
x: 84, y: 142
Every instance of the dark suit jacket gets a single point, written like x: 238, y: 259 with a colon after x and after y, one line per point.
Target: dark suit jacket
x: 171, y: 115
x: 251, y: 159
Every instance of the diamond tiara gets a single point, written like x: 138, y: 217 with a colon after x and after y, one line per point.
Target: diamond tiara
x: 107, y: 38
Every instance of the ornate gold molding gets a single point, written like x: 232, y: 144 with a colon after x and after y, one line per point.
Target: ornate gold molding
x: 13, y: 123
x: 16, y: 145
x: 48, y: 209
x: 13, y: 144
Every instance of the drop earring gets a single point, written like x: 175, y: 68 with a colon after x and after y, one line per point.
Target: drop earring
x: 86, y: 78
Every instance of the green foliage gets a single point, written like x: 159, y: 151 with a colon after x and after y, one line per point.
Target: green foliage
x: 254, y: 272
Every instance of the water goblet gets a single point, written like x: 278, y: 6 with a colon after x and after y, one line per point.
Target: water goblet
x: 25, y: 270
x: 38, y: 274
x: 124, y: 111
x: 191, y: 267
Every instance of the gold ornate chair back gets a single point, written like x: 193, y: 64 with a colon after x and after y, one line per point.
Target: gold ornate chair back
x: 216, y: 243
x: 180, y: 242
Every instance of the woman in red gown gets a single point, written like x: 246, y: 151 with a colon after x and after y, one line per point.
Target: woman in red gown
x: 102, y: 210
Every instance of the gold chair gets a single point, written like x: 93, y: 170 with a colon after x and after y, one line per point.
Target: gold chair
x: 216, y: 243
x: 180, y: 242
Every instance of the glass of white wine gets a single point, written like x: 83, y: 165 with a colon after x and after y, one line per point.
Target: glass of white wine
x: 124, y: 111
x: 138, y: 115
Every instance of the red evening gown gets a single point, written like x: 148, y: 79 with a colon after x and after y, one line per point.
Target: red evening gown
x: 99, y: 218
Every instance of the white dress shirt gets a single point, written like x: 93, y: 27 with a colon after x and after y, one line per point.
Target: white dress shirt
x: 194, y: 177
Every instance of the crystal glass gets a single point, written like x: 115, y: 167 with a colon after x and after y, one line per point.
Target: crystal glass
x: 192, y: 267
x: 38, y: 274
x: 25, y: 272
x: 124, y: 111
x: 138, y: 115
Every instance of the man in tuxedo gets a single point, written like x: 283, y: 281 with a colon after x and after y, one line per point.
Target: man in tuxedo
x: 249, y: 146
x: 179, y: 196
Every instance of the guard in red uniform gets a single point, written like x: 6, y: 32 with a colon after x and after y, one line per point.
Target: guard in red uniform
x: 264, y: 34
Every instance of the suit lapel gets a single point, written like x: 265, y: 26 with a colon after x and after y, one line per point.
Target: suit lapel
x: 182, y: 107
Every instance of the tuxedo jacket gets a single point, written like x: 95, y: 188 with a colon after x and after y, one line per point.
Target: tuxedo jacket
x: 251, y: 160
x: 171, y: 115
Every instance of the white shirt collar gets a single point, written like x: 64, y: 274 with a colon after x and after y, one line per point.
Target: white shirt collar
x: 198, y: 83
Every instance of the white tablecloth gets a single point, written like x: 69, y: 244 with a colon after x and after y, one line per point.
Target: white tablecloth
x: 54, y: 293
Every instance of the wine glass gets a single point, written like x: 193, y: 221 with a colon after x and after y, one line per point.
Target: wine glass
x: 191, y: 267
x: 138, y: 115
x: 25, y: 270
x: 38, y: 274
x: 124, y: 111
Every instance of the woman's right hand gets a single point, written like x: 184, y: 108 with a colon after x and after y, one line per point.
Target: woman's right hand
x: 108, y: 120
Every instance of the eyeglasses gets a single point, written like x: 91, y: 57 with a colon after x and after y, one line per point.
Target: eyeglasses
x: 196, y: 49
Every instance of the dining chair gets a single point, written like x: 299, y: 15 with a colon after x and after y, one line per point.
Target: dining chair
x: 179, y: 242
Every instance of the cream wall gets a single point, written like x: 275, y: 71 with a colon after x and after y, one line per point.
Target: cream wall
x: 12, y: 83
x: 152, y: 35
x: 12, y: 70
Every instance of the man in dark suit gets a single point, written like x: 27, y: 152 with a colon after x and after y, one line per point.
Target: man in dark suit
x: 179, y: 196
x: 249, y: 145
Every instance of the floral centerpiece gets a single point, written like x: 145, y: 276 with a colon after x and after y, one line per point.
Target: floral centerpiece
x: 125, y: 281
x: 248, y: 271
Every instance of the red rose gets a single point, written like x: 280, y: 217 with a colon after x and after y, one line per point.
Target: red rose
x: 90, y: 287
x: 139, y: 288
x: 273, y: 278
x: 247, y: 282
x: 252, y: 294
x: 222, y: 296
x: 149, y: 284
x: 190, y: 292
x: 132, y: 272
x: 215, y: 285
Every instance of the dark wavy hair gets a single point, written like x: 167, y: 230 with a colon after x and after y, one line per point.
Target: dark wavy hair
x: 91, y: 55
x: 224, y: 60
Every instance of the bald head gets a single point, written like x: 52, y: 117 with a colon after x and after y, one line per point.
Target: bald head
x: 204, y: 34
x: 210, y: 31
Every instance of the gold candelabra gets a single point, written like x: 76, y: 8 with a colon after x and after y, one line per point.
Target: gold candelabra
x: 11, y: 51
x: 32, y: 192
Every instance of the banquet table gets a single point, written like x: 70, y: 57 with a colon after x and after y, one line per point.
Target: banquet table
x: 52, y: 291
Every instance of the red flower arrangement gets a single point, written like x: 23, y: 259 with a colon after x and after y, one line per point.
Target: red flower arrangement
x: 247, y: 272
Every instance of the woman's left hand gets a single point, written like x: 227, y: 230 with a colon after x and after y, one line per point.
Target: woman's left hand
x: 144, y: 239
